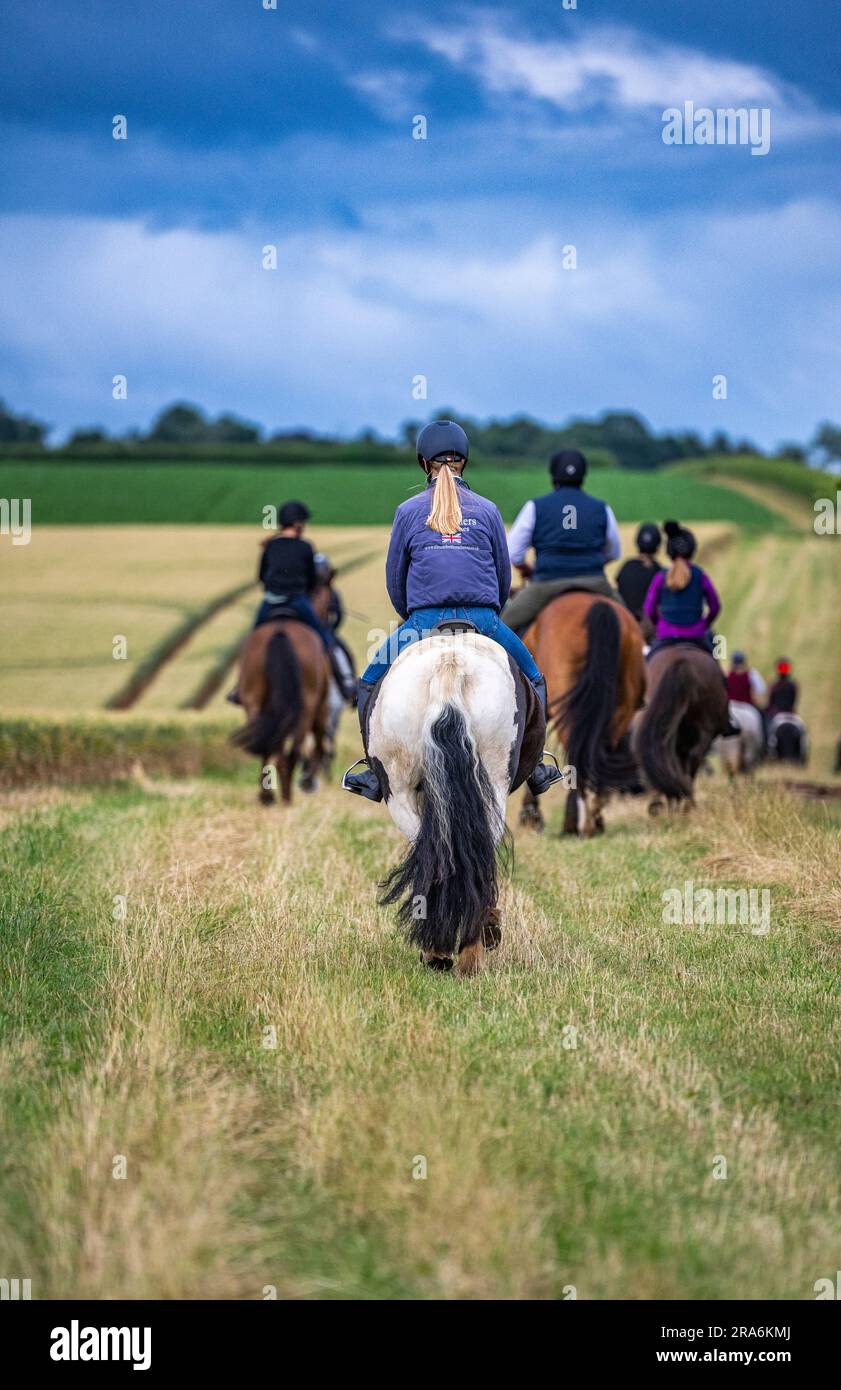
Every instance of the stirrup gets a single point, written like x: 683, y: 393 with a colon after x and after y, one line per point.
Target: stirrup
x: 365, y: 783
x: 537, y: 783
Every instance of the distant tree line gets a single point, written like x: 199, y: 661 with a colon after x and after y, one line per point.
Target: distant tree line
x: 615, y: 437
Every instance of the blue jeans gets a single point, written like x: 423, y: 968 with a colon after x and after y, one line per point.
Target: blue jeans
x: 419, y: 623
x: 303, y: 609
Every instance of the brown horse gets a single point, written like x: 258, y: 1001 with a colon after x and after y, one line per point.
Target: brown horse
x: 686, y: 708
x: 590, y: 650
x: 283, y: 683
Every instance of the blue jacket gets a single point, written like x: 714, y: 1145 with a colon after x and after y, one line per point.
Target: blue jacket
x: 427, y: 570
x: 570, y: 534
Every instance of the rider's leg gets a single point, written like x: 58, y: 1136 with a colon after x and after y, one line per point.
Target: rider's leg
x: 367, y: 783
x: 544, y: 775
x: 302, y: 607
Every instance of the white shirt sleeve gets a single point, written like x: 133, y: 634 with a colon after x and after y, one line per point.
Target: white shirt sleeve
x: 521, y: 533
x: 613, y: 545
x: 757, y: 684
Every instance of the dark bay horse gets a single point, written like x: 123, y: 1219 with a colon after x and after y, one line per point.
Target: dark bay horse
x: 283, y: 683
x: 590, y: 650
x: 686, y: 708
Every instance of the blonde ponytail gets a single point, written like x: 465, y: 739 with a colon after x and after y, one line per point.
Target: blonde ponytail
x: 679, y: 573
x: 445, y: 512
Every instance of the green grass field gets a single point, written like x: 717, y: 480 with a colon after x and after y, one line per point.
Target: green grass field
x: 105, y: 494
x: 204, y: 991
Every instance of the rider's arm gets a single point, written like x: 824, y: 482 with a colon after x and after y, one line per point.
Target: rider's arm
x: 651, y: 602
x: 613, y: 545
x: 521, y: 533
x: 311, y: 573
x: 397, y: 568
x: 264, y: 563
x: 757, y: 684
x: 499, y: 544
x: 713, y: 600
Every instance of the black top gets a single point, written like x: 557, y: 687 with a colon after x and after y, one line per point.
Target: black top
x: 782, y: 697
x: 288, y: 566
x: 633, y: 580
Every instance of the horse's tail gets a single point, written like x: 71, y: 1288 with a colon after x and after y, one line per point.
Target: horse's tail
x: 282, y: 705
x: 587, y: 711
x: 447, y: 882
x: 657, y: 735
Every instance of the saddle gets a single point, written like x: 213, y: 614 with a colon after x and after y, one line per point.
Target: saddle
x: 530, y: 735
x: 454, y: 627
x: 282, y: 610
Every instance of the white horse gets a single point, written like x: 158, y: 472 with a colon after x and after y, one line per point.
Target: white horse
x: 443, y: 734
x: 742, y: 751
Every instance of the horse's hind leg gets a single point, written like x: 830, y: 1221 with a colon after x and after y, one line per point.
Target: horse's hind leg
x: 491, y: 930
x: 285, y: 767
x: 530, y: 812
x: 471, y: 958
x: 591, y: 821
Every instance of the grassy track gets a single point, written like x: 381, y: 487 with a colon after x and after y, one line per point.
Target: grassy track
x: 547, y: 1165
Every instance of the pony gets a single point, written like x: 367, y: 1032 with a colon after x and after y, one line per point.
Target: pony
x: 686, y: 709
x: 283, y: 688
x: 590, y: 650
x: 788, y: 740
x: 447, y: 738
x: 742, y: 752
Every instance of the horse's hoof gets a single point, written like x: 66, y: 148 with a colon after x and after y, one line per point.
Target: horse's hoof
x: 266, y: 798
x: 531, y: 817
x: 491, y: 935
x: 654, y: 808
x: 470, y: 959
x: 436, y: 962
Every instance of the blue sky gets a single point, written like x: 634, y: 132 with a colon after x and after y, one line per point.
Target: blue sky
x: 399, y: 257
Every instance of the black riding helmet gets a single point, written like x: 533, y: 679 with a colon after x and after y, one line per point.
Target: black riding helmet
x: 680, y: 542
x: 648, y: 538
x: 568, y: 466
x: 293, y: 512
x: 441, y: 437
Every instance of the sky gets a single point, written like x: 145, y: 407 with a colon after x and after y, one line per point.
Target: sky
x: 400, y: 258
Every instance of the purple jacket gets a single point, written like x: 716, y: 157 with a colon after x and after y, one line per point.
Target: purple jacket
x: 470, y: 569
x: 681, y: 613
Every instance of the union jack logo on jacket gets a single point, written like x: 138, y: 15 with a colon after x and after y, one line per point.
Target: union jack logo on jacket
x: 453, y: 539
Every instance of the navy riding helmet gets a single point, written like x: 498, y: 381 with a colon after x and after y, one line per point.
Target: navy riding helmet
x: 293, y: 512
x: 441, y: 437
x: 568, y: 466
x: 680, y: 542
x: 648, y: 538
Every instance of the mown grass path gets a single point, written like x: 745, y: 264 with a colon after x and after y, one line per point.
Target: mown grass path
x: 273, y: 1063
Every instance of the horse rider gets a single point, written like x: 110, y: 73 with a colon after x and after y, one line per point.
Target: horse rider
x: 636, y: 574
x: 784, y: 692
x: 289, y: 577
x: 574, y: 536
x: 744, y: 683
x: 447, y: 558
x: 681, y: 601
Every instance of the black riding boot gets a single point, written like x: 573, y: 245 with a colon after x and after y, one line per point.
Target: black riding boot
x: 365, y: 783
x: 544, y: 775
x: 342, y: 673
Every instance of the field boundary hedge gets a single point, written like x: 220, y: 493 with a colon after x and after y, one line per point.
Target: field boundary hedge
x: 88, y: 750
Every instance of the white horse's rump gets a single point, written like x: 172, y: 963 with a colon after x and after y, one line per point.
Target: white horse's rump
x: 443, y: 728
x: 741, y: 752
